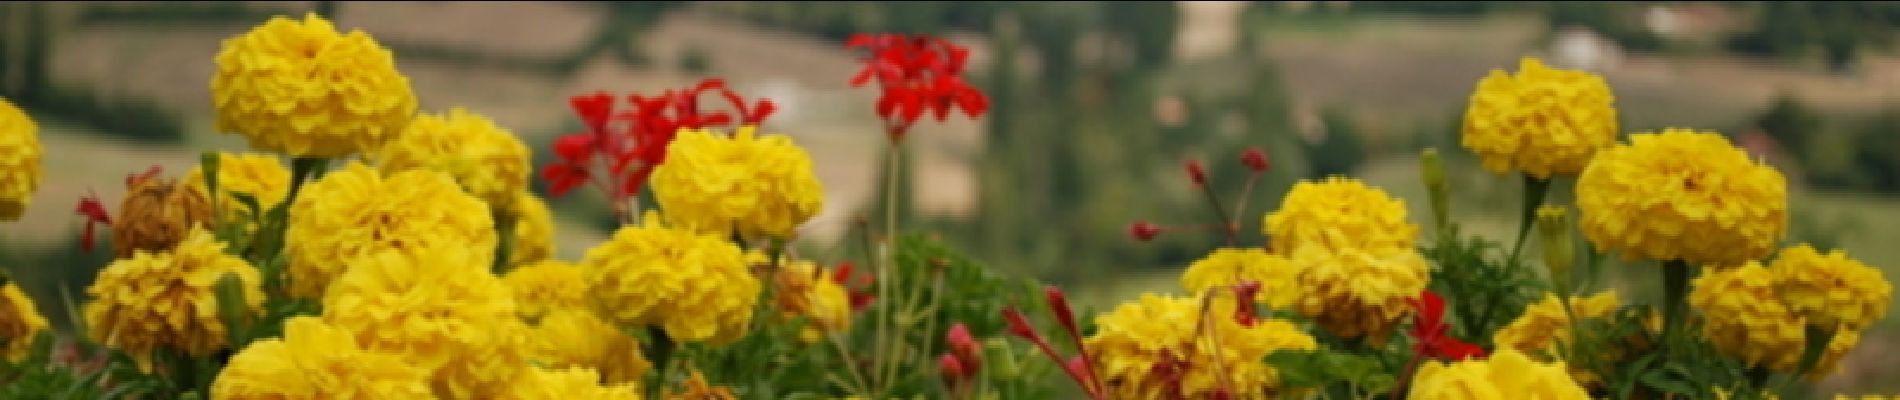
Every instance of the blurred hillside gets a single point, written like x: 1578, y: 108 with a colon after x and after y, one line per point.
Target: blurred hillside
x: 1096, y: 106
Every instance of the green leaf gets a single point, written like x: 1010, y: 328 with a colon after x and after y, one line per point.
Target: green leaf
x: 1660, y: 380
x: 251, y: 205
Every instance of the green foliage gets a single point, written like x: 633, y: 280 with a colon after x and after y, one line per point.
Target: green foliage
x: 1324, y: 368
x: 1341, y: 149
x: 1483, y: 289
x: 1838, y: 29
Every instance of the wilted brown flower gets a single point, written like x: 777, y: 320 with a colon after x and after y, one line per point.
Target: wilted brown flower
x: 156, y: 215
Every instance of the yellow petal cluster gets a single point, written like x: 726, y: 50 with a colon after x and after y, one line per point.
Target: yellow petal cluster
x: 697, y: 286
x: 440, y: 309
x: 315, y: 361
x: 567, y: 384
x: 487, y: 160
x: 747, y: 184
x: 1227, y: 267
x: 1338, y: 212
x: 1507, y: 374
x: 545, y: 287
x: 168, y: 299
x: 575, y: 337
x: 804, y: 290
x: 1744, y: 318
x: 1135, y: 337
x: 1544, y: 327
x: 20, y: 321
x: 1355, y: 292
x: 353, y: 212
x: 1831, y: 291
x: 20, y: 154
x: 262, y: 176
x: 534, y: 230
x: 1682, y: 195
x: 305, y: 90
x: 1542, y: 121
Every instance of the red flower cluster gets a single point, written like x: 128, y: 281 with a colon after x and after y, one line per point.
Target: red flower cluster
x: 1429, y: 330
x: 637, y: 137
x: 860, y: 297
x: 963, y: 361
x: 917, y: 73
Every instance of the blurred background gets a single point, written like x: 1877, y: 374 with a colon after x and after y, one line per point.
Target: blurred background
x: 1096, y: 107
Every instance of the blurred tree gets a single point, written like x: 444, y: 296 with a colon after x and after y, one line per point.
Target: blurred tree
x: 619, y: 34
x: 1340, y: 149
x: 1791, y: 123
x: 1150, y: 26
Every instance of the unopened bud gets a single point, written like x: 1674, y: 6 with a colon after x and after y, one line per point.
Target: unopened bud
x: 1144, y: 231
x: 1196, y: 172
x: 1255, y: 159
x: 952, y: 370
x: 1554, y: 227
x: 1433, y: 171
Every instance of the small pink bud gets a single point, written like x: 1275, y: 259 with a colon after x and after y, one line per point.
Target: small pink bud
x: 1196, y: 172
x: 964, y: 346
x: 1144, y: 231
x: 1019, y: 325
x: 1060, y: 304
x: 952, y: 369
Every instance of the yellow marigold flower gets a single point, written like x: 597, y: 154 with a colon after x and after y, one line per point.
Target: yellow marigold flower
x: 20, y: 321
x: 1542, y: 121
x: 262, y: 176
x: 354, y: 212
x: 1356, y: 292
x: 157, y: 214
x: 1744, y: 318
x: 698, y: 389
x: 20, y: 153
x: 804, y: 290
x: 488, y: 160
x: 567, y: 384
x: 697, y: 286
x: 315, y: 361
x: 1338, y: 212
x: 1544, y: 326
x: 1682, y: 195
x: 534, y: 230
x: 545, y: 287
x: 1831, y: 291
x: 1135, y: 337
x: 167, y: 299
x: 441, y: 310
x: 303, y: 89
x: 755, y: 186
x: 1508, y: 374
x: 1227, y: 267
x: 573, y: 337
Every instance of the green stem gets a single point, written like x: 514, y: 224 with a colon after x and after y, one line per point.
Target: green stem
x: 884, y: 354
x: 270, y: 243
x: 1226, y: 223
x: 1675, y: 306
x: 1534, y: 190
x: 661, y: 353
x: 505, y: 245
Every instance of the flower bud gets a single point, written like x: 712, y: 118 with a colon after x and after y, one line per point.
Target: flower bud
x: 1434, y: 175
x: 1255, y: 159
x: 1144, y: 231
x: 1196, y: 172
x: 952, y: 370
x: 1559, y: 254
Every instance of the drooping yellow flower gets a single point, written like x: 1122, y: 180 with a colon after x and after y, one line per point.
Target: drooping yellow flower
x: 696, y: 286
x: 534, y: 230
x: 487, y: 160
x: 354, y: 212
x: 1136, y: 337
x: 574, y: 337
x: 262, y: 176
x: 1682, y: 195
x: 1338, y: 212
x: 545, y: 287
x: 1542, y: 121
x: 1544, y: 327
x: 1831, y: 291
x: 156, y: 215
x: 1358, y: 292
x: 749, y: 184
x: 315, y: 361
x: 20, y: 321
x: 1745, y: 319
x: 804, y: 290
x: 20, y: 153
x: 440, y: 309
x: 567, y: 384
x: 1508, y: 374
x: 168, y: 299
x: 305, y: 90
x: 1278, y: 278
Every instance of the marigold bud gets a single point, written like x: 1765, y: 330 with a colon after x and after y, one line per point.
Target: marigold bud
x: 1433, y: 172
x: 1255, y: 159
x: 1554, y: 227
x: 156, y: 216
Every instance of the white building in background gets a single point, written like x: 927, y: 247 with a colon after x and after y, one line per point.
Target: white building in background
x: 1208, y: 29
